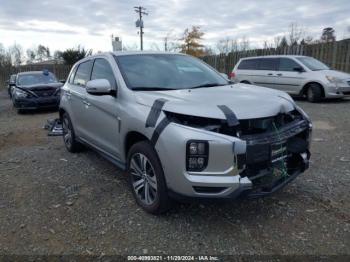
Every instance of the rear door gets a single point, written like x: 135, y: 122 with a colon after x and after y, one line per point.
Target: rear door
x: 287, y: 78
x: 78, y: 98
x: 266, y: 72
x: 102, y: 111
x: 246, y: 71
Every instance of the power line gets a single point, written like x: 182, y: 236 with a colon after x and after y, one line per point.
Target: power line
x: 139, y: 23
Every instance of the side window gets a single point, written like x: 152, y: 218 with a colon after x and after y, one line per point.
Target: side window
x: 72, y: 74
x: 268, y: 64
x: 103, y: 70
x: 83, y: 73
x: 249, y: 64
x: 287, y: 64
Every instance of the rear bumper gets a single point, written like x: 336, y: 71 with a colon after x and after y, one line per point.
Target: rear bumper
x: 35, y: 103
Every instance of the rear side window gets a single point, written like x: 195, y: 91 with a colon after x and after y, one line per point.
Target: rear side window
x: 82, y: 76
x: 71, y: 77
x: 103, y: 70
x: 249, y: 64
x: 287, y: 64
x: 268, y: 64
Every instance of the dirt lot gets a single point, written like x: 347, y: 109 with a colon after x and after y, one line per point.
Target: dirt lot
x: 54, y: 202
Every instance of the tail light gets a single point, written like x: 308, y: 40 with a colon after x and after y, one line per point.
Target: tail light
x: 232, y: 75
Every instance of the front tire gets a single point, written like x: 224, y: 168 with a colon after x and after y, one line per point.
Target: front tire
x: 314, y: 93
x: 147, y: 179
x: 69, y: 137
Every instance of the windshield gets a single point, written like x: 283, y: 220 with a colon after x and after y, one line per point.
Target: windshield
x: 167, y: 72
x: 312, y: 63
x: 35, y: 79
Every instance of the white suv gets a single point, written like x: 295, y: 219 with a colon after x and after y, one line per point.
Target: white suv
x: 296, y: 75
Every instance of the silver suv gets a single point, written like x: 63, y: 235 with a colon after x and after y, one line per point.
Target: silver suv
x: 181, y: 129
x: 296, y: 75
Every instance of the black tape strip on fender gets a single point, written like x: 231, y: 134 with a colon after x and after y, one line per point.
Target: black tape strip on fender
x: 230, y: 115
x: 154, y: 113
x: 159, y: 129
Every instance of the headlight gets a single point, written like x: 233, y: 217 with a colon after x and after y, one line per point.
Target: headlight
x: 21, y: 94
x: 334, y: 80
x: 305, y: 116
x: 197, y: 153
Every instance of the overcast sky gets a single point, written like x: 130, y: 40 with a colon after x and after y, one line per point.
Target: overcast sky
x: 67, y: 23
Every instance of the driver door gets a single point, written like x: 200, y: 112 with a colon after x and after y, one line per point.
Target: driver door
x: 102, y: 111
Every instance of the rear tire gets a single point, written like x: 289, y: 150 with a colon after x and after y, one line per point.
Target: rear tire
x: 69, y: 138
x: 146, y: 178
x: 314, y: 93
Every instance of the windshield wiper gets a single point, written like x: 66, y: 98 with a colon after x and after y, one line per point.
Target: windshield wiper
x: 207, y: 85
x: 156, y: 88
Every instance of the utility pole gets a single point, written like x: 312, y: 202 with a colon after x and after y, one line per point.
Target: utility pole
x: 139, y: 23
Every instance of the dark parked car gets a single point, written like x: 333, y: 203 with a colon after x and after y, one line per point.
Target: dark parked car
x: 10, y: 83
x: 36, y: 89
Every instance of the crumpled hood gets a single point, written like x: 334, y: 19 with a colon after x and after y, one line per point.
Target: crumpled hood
x: 42, y: 86
x: 246, y: 101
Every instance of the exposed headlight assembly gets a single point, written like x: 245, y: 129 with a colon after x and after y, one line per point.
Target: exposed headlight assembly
x: 197, y: 153
x: 21, y: 94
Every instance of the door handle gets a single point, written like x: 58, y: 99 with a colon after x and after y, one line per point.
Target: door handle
x: 279, y: 74
x: 269, y: 74
x: 68, y: 94
x: 86, y: 103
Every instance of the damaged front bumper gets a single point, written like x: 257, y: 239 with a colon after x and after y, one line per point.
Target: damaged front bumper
x: 247, y: 166
x: 36, y: 102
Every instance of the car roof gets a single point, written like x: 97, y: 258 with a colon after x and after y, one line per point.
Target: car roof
x: 272, y: 56
x: 32, y: 73
x: 122, y: 53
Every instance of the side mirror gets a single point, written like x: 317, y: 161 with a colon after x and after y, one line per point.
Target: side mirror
x: 224, y: 75
x: 299, y: 69
x: 12, y: 84
x: 99, y: 87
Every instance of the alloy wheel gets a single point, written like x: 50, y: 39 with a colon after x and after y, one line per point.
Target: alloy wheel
x: 143, y: 177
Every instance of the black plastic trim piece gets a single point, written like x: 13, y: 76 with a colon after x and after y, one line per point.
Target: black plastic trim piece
x: 230, y: 115
x: 155, y: 112
x: 159, y: 129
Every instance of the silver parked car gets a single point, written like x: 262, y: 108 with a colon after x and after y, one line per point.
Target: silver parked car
x: 296, y: 75
x: 181, y: 129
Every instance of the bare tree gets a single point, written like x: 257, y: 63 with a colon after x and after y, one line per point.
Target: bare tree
x: 224, y: 45
x: 170, y: 43
x: 277, y: 41
x: 244, y: 44
x: 16, y: 53
x: 295, y: 33
x: 234, y: 45
x: 5, y: 58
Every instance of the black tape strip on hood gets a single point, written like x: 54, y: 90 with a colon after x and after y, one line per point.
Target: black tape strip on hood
x: 159, y: 129
x: 230, y: 115
x: 155, y: 112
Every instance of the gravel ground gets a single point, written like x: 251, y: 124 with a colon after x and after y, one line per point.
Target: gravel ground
x: 54, y: 202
